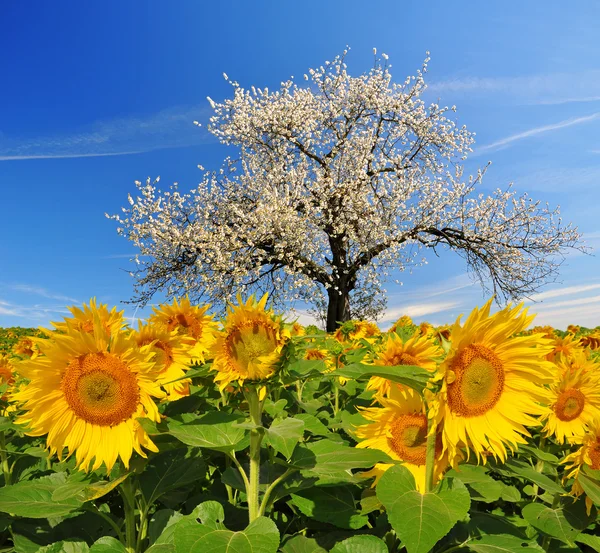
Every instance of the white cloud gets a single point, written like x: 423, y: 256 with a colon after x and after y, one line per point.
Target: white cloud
x: 565, y: 291
x: 169, y: 128
x: 548, y: 89
x: 535, y: 131
x: 418, y: 310
x: 39, y: 291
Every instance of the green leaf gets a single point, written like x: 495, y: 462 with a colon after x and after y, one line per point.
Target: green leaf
x: 591, y: 488
x: 589, y: 540
x: 313, y: 425
x: 502, y: 543
x: 332, y: 504
x: 302, y: 544
x: 107, y: 544
x: 86, y: 490
x: 303, y: 368
x: 524, y: 470
x: 285, y: 434
x: 260, y: 536
x: 215, y: 430
x: 361, y: 544
x: 65, y: 547
x: 563, y: 523
x: 168, y: 471
x: 421, y: 520
x: 33, y: 498
x: 330, y: 460
x: 211, y: 514
x: 481, y: 485
x: 409, y: 375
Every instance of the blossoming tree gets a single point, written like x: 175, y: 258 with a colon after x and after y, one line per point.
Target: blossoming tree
x: 335, y: 185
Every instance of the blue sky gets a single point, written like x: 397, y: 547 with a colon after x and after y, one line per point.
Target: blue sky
x: 97, y: 95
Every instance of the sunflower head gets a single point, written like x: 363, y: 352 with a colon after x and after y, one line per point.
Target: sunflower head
x: 296, y: 329
x: 84, y: 318
x: 26, y: 347
x: 419, y: 351
x: 172, y: 355
x: 250, y: 344
x: 564, y: 348
x: 191, y: 321
x: 352, y: 331
x: 7, y: 375
x: 587, y: 455
x: 492, y: 382
x: 86, y: 392
x: 574, y: 400
x: 399, y: 428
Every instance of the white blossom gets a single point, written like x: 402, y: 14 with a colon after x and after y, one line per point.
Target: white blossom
x: 335, y: 185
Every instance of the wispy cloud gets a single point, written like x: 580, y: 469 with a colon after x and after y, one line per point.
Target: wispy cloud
x: 566, y: 291
x: 38, y: 291
x: 548, y: 89
x: 535, y: 131
x: 169, y: 128
x: 419, y: 310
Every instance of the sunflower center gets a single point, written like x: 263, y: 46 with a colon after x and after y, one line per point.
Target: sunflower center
x: 248, y: 343
x: 478, y: 383
x: 408, y: 438
x: 569, y: 405
x: 594, y: 453
x: 100, y: 389
x: 404, y: 359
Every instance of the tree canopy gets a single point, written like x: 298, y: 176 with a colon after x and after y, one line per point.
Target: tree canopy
x: 336, y: 184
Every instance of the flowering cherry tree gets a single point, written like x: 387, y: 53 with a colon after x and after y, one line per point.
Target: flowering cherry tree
x: 335, y: 185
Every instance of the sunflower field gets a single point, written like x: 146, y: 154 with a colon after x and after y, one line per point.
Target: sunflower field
x: 254, y: 434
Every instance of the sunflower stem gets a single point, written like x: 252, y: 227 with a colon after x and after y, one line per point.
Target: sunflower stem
x: 430, y: 455
x: 4, y: 458
x: 129, y: 509
x: 256, y: 436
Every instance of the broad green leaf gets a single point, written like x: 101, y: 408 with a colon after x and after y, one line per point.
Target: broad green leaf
x: 211, y: 514
x: 313, y: 425
x: 330, y: 460
x: 332, y: 504
x: 33, y: 498
x: 589, y: 540
x: 524, y: 470
x: 563, y: 523
x: 361, y: 544
x: 168, y: 471
x: 260, y: 536
x: 107, y: 544
x: 161, y: 548
x: 421, y: 520
x: 503, y: 543
x: 285, y: 434
x: 214, y: 430
x: 85, y: 491
x: 539, y: 454
x: 302, y: 544
x: 510, y: 494
x: 304, y: 368
x: 481, y: 485
x: 409, y: 375
x: 65, y: 547
x: 591, y: 488
x: 160, y: 521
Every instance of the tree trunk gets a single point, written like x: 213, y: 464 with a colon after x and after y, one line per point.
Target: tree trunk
x: 338, y: 308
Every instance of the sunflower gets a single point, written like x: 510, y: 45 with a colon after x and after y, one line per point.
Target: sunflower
x: 26, y: 347
x: 249, y: 346
x: 587, y: 455
x: 564, y: 347
x: 399, y: 428
x: 7, y: 378
x: 189, y: 320
x: 574, y: 404
x: 321, y: 354
x: 172, y: 356
x: 403, y: 322
x: 296, y: 330
x: 83, y: 319
x: 86, y: 393
x: 417, y: 350
x: 352, y: 331
x: 491, y: 382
